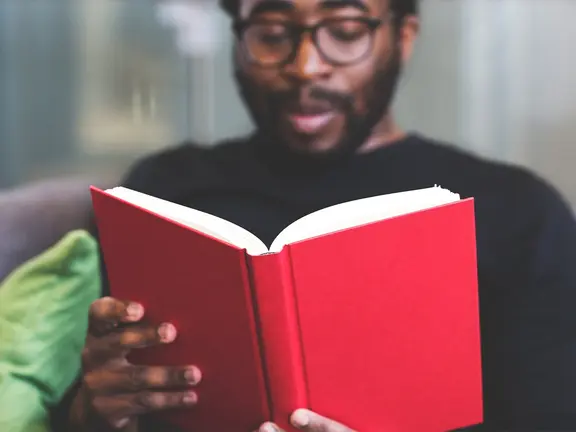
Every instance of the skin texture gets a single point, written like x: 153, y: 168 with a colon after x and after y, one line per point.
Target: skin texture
x: 365, y: 122
x: 309, y: 421
x: 115, y: 393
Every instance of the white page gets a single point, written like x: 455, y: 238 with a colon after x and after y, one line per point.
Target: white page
x: 195, y: 219
x: 324, y: 221
x: 360, y: 212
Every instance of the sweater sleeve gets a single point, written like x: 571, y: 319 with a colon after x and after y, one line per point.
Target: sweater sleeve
x: 550, y: 336
x: 538, y: 341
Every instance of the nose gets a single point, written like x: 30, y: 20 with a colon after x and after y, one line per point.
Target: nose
x: 308, y: 64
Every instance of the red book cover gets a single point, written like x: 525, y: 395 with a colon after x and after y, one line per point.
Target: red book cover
x: 202, y: 287
x: 389, y: 325
x: 375, y: 326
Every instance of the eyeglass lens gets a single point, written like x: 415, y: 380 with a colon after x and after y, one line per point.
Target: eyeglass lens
x: 339, y: 41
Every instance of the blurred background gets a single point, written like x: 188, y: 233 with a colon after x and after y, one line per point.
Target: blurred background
x: 87, y: 86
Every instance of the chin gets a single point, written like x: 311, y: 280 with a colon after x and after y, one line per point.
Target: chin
x: 323, y: 143
x: 311, y: 146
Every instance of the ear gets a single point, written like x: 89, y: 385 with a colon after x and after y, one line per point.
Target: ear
x: 407, y: 36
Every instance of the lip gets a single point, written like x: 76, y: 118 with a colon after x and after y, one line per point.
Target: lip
x: 310, y: 123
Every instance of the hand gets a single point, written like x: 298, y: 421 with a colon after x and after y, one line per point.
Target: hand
x: 309, y: 421
x: 114, y: 392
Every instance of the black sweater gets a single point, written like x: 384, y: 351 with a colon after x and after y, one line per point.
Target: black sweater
x: 526, y: 239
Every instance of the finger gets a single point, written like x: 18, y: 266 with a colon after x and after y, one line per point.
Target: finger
x: 117, y: 344
x: 106, y: 313
x: 269, y: 427
x: 307, y: 420
x: 132, y: 379
x: 142, y: 336
x: 118, y: 410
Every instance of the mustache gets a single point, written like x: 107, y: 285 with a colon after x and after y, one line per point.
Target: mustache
x: 335, y: 99
x: 342, y: 100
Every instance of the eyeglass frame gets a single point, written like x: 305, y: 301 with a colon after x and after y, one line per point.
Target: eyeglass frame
x: 240, y: 26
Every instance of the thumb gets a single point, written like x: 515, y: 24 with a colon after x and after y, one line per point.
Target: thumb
x: 307, y: 420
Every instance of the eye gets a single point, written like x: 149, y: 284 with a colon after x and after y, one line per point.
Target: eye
x: 269, y: 34
x: 347, y: 31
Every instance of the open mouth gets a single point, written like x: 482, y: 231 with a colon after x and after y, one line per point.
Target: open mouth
x: 310, y: 123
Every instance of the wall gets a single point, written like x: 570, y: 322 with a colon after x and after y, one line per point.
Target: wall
x: 89, y: 85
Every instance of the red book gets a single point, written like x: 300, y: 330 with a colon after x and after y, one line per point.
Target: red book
x: 365, y: 312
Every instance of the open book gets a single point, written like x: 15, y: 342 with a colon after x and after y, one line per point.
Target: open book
x: 331, y: 219
x: 384, y: 288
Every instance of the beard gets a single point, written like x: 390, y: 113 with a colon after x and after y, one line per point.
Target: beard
x: 265, y: 109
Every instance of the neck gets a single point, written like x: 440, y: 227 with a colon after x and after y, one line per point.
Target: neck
x: 386, y: 132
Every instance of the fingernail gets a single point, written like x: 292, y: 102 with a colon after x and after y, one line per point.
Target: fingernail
x: 193, y: 375
x: 190, y: 398
x: 268, y: 427
x: 300, y: 418
x: 167, y: 332
x: 134, y: 311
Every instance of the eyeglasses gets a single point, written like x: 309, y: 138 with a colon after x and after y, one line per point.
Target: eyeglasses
x: 340, y: 41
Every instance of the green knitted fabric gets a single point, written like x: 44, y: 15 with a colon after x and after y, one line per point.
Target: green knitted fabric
x: 43, y: 323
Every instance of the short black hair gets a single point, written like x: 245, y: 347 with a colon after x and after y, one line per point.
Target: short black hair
x: 400, y: 8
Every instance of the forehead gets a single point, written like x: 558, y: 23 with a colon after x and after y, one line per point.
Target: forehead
x: 249, y: 7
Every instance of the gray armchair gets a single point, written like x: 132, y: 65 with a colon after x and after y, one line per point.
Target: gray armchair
x: 36, y: 216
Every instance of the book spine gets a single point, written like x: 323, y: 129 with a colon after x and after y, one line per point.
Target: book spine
x: 279, y: 335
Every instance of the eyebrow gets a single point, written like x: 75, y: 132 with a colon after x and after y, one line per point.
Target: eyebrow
x: 341, y: 4
x: 288, y: 6
x: 272, y: 6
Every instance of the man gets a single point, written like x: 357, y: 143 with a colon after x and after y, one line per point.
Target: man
x: 318, y: 77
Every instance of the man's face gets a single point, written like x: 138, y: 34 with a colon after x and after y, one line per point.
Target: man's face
x: 336, y: 87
